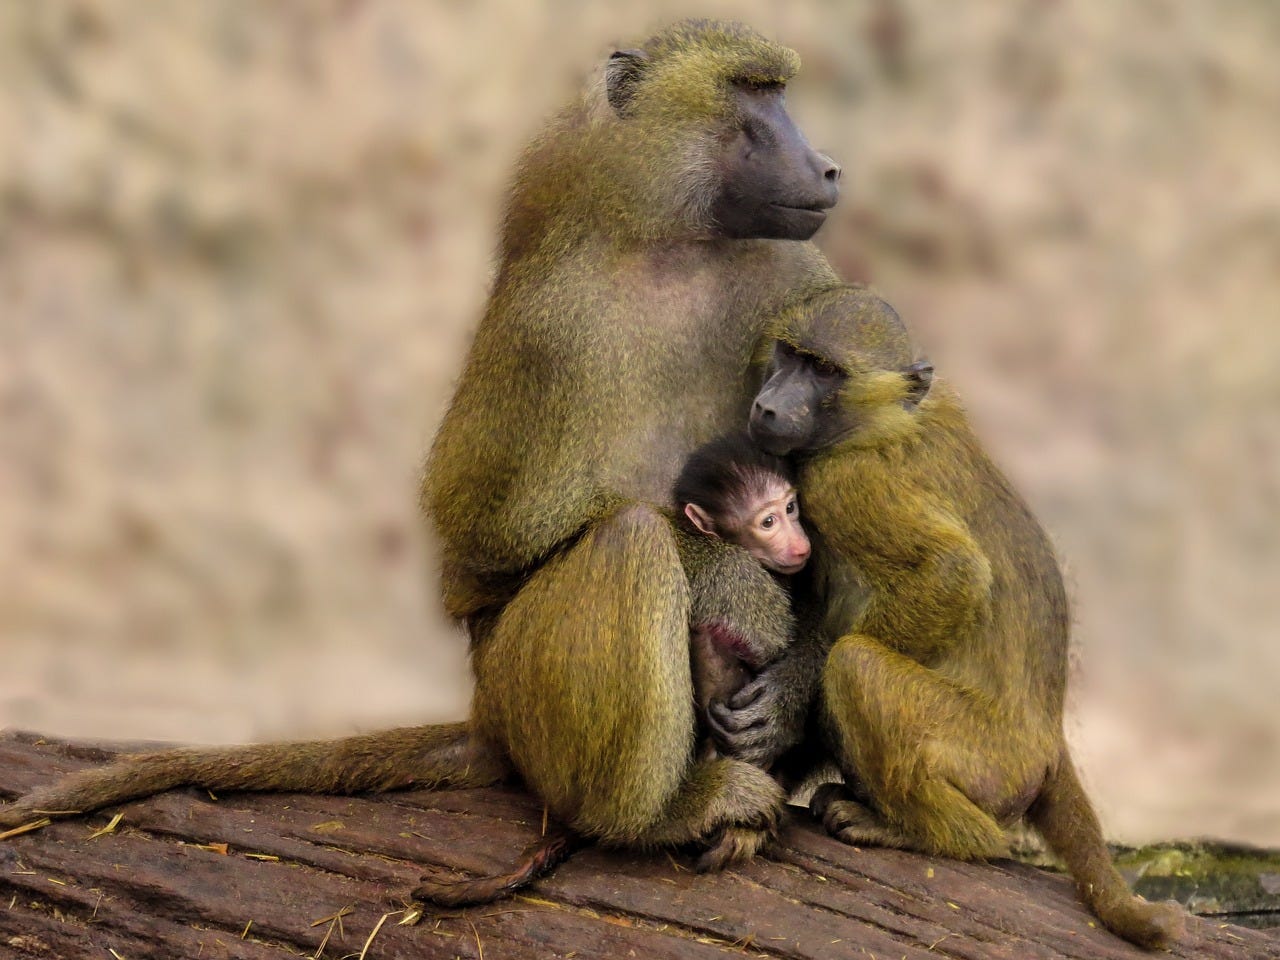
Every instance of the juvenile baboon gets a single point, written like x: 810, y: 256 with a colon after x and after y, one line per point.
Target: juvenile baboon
x: 942, y: 698
x: 730, y: 490
x: 651, y: 230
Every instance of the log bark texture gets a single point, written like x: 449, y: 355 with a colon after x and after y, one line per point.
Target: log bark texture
x: 263, y: 876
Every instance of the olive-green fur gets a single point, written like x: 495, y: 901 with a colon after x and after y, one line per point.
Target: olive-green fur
x: 943, y: 696
x: 728, y: 585
x: 549, y: 639
x: 611, y: 302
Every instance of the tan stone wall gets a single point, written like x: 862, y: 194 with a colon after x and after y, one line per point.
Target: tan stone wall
x: 242, y: 246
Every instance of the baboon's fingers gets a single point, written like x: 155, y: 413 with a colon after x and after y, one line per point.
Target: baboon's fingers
x: 852, y: 822
x: 736, y: 845
x: 727, y: 721
x: 748, y: 695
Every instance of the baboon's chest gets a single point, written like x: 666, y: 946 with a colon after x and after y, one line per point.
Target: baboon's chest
x: 681, y: 360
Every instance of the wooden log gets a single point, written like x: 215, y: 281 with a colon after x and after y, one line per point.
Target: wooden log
x: 278, y: 875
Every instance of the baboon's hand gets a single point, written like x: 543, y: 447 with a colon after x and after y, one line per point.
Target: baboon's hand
x: 766, y: 717
x: 755, y: 724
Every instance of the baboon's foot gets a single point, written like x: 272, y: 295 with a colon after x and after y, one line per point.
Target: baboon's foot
x: 750, y: 811
x: 851, y: 821
x: 1151, y: 925
x: 735, y: 845
x: 729, y: 807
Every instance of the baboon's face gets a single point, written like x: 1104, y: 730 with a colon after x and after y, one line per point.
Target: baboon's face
x: 769, y: 528
x: 773, y: 185
x: 796, y: 409
x: 810, y: 402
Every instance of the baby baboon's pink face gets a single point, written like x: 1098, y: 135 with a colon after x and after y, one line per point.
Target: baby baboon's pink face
x: 771, y: 531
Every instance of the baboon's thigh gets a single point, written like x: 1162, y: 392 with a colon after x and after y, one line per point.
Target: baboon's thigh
x: 895, y: 723
x: 585, y: 677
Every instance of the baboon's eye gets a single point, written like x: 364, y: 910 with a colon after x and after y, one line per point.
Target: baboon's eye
x: 768, y: 522
x: 824, y: 368
x: 792, y: 507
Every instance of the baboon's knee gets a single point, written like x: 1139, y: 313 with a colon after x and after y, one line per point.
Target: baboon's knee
x: 964, y: 580
x: 851, y: 661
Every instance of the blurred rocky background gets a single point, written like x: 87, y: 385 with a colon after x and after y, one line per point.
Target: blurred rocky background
x: 243, y: 245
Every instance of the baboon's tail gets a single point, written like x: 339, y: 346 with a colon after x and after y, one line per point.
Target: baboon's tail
x: 538, y: 860
x: 409, y: 756
x: 1065, y: 818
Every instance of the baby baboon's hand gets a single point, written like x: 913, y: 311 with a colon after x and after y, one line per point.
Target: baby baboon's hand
x: 754, y: 725
x: 766, y: 717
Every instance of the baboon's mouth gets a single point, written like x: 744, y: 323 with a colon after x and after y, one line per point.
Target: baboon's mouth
x: 818, y: 208
x: 778, y: 446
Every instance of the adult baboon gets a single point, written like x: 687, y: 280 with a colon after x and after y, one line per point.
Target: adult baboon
x: 942, y: 697
x: 650, y: 231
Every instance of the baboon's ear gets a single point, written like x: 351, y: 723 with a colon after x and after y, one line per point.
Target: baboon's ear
x: 919, y: 377
x: 621, y: 75
x: 700, y: 519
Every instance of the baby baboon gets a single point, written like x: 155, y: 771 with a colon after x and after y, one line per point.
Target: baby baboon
x: 650, y: 232
x: 942, y: 698
x: 732, y: 490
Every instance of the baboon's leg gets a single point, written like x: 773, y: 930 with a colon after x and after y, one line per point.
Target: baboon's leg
x: 733, y: 805
x: 1066, y: 819
x: 585, y: 680
x: 410, y: 756
x: 934, y: 757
